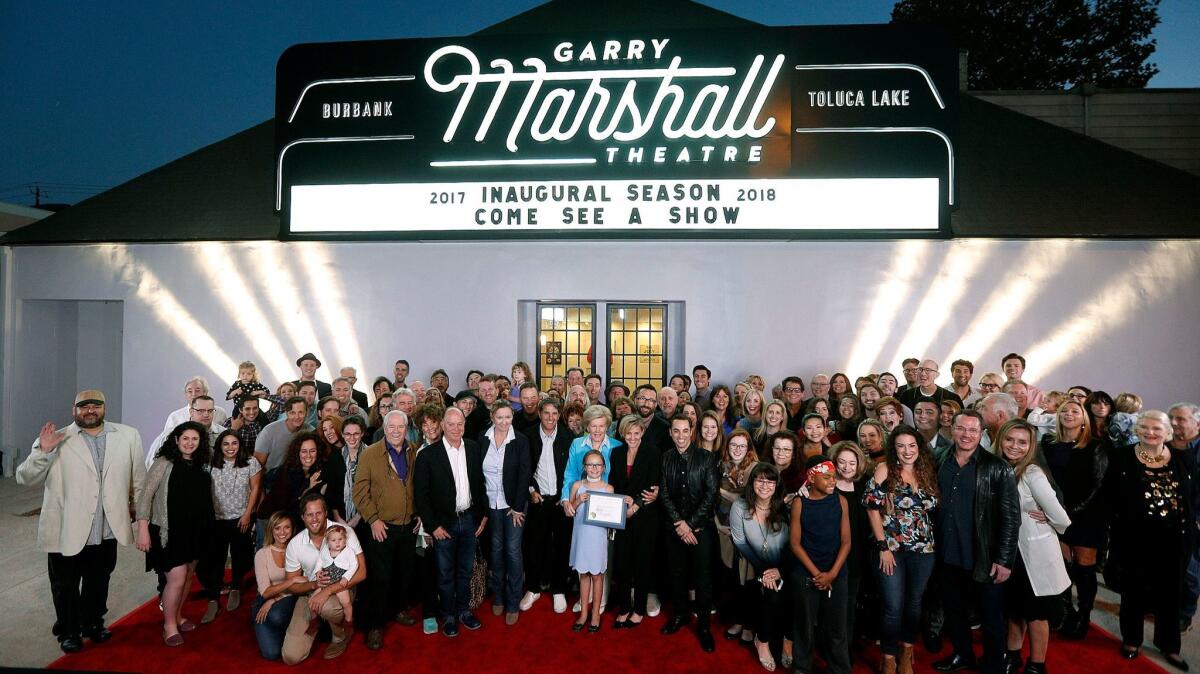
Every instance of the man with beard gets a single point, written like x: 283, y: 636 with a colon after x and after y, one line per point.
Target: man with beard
x: 248, y: 424
x: 441, y: 381
x: 658, y: 433
x: 668, y: 401
x: 93, y: 471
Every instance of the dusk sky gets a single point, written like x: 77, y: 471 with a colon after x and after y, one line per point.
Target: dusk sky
x: 96, y: 93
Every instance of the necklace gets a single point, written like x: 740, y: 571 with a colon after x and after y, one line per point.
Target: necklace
x: 1152, y: 460
x: 762, y: 528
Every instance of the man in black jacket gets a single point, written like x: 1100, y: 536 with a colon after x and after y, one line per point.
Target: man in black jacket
x: 658, y: 434
x: 547, y: 529
x: 977, y: 529
x: 451, y: 500
x: 689, y: 495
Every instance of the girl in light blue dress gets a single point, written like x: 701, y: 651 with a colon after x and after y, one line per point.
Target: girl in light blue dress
x: 589, y: 543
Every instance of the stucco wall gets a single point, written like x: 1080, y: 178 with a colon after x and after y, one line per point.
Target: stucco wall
x: 1117, y: 315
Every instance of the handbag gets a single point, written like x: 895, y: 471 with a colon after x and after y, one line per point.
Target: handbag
x: 479, y: 579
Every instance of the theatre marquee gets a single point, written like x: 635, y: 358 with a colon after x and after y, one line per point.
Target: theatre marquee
x: 746, y: 133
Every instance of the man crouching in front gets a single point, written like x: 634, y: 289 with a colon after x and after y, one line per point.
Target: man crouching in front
x: 303, y: 559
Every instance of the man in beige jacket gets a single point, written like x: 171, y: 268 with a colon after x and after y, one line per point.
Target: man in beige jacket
x: 93, y: 471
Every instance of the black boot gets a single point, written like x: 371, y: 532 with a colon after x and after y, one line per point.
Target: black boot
x: 1085, y: 586
x: 1012, y: 662
x: 1035, y: 668
x: 1068, y: 606
x: 1079, y: 628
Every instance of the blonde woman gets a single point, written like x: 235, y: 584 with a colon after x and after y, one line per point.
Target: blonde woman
x: 775, y: 418
x: 1039, y: 573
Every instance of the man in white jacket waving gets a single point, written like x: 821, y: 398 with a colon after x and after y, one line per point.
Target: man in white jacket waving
x: 93, y: 471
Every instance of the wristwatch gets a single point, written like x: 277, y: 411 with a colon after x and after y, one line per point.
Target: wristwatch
x: 882, y: 546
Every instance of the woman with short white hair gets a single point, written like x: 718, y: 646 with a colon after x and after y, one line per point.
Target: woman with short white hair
x: 1148, y: 489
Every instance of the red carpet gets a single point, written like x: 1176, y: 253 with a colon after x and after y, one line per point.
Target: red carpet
x: 542, y: 641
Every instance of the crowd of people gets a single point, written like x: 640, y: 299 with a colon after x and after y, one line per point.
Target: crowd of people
x: 810, y: 517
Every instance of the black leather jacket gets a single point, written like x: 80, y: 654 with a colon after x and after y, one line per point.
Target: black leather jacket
x: 997, y: 513
x: 690, y: 487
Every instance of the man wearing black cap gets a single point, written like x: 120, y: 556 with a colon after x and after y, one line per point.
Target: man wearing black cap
x: 308, y: 365
x: 93, y: 472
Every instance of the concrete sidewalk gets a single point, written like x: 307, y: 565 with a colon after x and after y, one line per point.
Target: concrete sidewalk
x: 26, y: 611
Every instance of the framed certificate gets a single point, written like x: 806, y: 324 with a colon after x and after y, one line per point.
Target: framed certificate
x: 605, y: 510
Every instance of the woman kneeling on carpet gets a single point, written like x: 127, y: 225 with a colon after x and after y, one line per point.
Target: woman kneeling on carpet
x: 177, y: 497
x: 273, y: 607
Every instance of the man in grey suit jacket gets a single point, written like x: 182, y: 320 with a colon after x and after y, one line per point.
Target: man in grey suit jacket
x: 93, y: 471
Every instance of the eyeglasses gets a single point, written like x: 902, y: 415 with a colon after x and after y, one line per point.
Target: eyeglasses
x: 783, y: 450
x: 764, y: 481
x: 991, y: 387
x: 739, y: 446
x: 909, y: 370
x: 1077, y: 396
x: 646, y: 399
x: 593, y: 465
x: 793, y: 389
x: 927, y: 370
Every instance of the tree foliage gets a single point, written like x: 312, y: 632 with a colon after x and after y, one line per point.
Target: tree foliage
x: 1046, y: 44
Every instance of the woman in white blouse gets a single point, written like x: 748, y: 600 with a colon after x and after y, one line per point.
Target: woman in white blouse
x: 507, y: 472
x: 1040, y: 574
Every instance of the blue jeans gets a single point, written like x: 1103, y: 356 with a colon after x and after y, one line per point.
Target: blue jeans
x: 269, y: 633
x: 455, y: 557
x: 507, y: 566
x: 1191, y: 586
x: 901, y: 595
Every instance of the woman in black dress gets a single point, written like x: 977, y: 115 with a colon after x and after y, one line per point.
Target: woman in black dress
x: 177, y: 500
x: 306, y: 469
x: 1148, y: 491
x: 1077, y: 462
x: 636, y: 472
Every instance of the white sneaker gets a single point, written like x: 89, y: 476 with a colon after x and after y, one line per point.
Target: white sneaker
x: 576, y: 608
x: 653, y: 607
x: 560, y: 603
x: 528, y: 599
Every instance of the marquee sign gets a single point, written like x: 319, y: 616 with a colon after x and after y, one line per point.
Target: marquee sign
x: 768, y: 132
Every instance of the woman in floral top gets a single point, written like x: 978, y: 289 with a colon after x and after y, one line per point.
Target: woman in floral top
x: 900, y: 498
